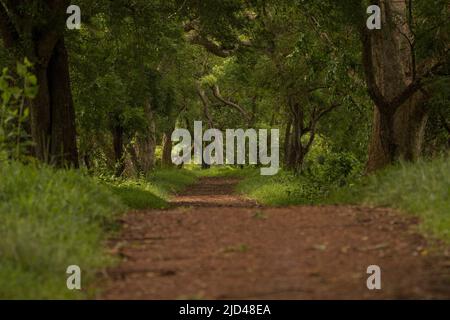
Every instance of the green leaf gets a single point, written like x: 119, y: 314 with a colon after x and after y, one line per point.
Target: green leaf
x: 21, y: 69
x: 27, y: 63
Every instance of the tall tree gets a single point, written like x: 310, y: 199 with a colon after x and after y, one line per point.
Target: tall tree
x: 398, y: 77
x: 35, y: 29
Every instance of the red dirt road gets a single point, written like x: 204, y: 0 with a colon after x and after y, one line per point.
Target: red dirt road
x: 215, y: 245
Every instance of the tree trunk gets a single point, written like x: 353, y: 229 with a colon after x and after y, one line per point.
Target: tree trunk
x: 52, y: 113
x: 134, y: 158
x: 398, y: 136
x: 119, y: 155
x: 40, y: 115
x: 297, y: 154
x: 146, y: 143
x: 296, y: 150
x: 399, y: 124
x: 287, y: 142
x: 63, y: 145
x: 143, y: 151
x: 147, y: 148
x: 39, y: 35
x: 167, y: 149
x: 87, y: 161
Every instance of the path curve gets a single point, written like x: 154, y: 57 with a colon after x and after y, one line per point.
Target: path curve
x: 214, y: 244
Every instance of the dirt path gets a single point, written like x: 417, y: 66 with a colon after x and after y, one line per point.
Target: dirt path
x: 216, y: 245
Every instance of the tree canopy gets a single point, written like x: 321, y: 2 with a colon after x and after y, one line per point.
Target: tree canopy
x: 110, y: 94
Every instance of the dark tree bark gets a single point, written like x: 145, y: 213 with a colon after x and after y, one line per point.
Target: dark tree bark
x: 166, y: 160
x: 216, y: 92
x: 287, y: 142
x: 118, y: 144
x: 296, y: 150
x: 41, y: 117
x: 63, y: 144
x: 146, y: 143
x: 40, y: 37
x: 167, y: 148
x: 87, y: 161
x: 146, y: 146
x: 131, y: 149
x: 301, y: 123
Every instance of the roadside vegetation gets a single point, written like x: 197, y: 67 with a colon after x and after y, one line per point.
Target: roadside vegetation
x: 152, y: 192
x: 51, y: 219
x: 421, y: 188
x: 322, y: 171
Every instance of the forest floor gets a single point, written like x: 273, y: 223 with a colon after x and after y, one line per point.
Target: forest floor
x: 213, y: 244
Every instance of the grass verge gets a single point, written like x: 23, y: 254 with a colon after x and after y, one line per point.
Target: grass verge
x: 152, y: 192
x: 49, y: 220
x: 224, y: 171
x: 283, y: 189
x: 421, y: 188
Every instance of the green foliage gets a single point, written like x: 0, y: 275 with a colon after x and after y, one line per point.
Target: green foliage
x: 49, y: 220
x: 14, y: 95
x: 131, y: 69
x: 226, y: 171
x: 222, y: 20
x: 137, y: 66
x: 281, y: 190
x: 152, y: 192
x: 138, y: 195
x: 172, y: 180
x: 437, y: 137
x: 52, y: 219
x: 324, y: 171
x: 327, y: 168
x: 422, y: 188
